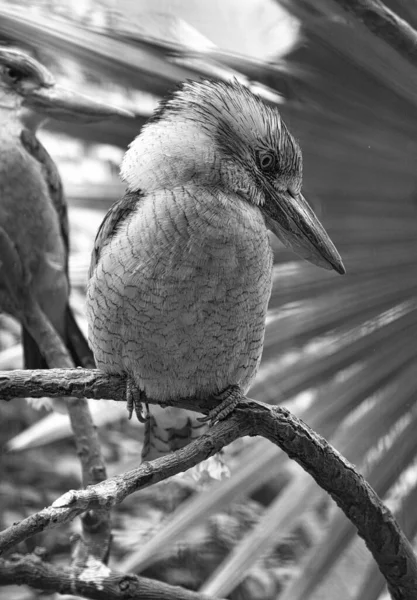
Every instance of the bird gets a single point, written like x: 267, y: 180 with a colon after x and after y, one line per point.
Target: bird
x: 181, y: 269
x: 34, y: 229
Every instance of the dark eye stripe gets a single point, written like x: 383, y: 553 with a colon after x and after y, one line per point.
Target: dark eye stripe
x: 15, y: 74
x: 25, y: 66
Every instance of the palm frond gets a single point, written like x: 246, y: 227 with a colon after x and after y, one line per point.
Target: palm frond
x: 340, y: 352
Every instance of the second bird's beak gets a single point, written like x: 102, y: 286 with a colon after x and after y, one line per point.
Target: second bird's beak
x: 65, y: 105
x: 293, y: 221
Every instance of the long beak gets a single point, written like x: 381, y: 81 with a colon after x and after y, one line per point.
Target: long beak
x: 65, y: 105
x: 293, y: 221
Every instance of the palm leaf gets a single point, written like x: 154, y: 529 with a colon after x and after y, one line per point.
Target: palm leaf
x: 340, y: 352
x: 135, y: 62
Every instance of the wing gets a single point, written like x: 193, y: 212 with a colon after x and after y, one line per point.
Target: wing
x: 74, y: 339
x: 113, y: 219
x: 50, y: 172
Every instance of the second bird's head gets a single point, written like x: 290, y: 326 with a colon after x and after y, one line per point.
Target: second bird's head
x: 27, y: 87
x: 222, y: 135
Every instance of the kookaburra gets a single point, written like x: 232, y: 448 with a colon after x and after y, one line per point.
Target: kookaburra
x: 33, y: 211
x: 182, y: 266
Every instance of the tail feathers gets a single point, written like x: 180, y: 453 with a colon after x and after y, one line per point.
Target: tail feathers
x: 77, y: 344
x: 32, y: 356
x: 74, y: 339
x: 169, y: 430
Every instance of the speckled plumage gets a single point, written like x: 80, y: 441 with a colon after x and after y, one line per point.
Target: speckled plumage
x: 179, y: 296
x: 182, y: 266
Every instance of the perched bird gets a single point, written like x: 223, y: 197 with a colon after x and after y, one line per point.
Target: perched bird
x: 33, y: 211
x: 182, y: 266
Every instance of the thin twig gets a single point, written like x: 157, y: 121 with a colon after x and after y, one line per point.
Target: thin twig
x: 108, y: 493
x: 332, y: 472
x: 93, y: 580
x: 96, y: 525
x: 85, y: 433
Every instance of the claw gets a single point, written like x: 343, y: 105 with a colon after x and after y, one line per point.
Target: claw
x: 229, y: 399
x: 134, y: 399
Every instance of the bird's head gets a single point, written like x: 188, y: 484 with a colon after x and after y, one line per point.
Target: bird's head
x: 221, y: 135
x: 26, y: 85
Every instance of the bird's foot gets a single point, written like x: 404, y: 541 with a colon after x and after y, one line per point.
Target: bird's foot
x: 134, y: 399
x: 229, y: 399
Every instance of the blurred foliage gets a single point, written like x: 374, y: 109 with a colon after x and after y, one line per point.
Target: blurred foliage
x: 339, y: 352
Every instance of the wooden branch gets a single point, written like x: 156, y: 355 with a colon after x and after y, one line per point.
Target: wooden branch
x: 108, y: 493
x: 88, y: 383
x: 332, y: 472
x: 94, y: 580
x: 386, y: 24
x: 96, y: 525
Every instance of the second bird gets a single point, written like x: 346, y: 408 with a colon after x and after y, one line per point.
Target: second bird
x: 181, y: 272
x: 34, y: 236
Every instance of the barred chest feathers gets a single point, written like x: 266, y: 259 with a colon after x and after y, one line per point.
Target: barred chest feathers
x: 184, y: 287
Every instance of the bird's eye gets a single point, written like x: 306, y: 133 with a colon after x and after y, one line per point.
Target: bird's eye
x: 266, y: 161
x: 13, y: 74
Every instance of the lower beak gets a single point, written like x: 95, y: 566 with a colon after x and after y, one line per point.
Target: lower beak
x: 293, y: 221
x: 65, y: 105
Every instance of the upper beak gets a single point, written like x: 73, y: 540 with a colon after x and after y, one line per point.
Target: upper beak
x: 63, y: 104
x: 293, y: 221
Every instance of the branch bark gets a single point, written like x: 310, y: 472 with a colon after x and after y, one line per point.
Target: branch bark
x: 384, y: 23
x: 331, y: 471
x: 96, y: 524
x: 105, y: 495
x: 94, y: 580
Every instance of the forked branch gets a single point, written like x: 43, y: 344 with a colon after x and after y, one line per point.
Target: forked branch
x: 331, y: 471
x: 94, y: 580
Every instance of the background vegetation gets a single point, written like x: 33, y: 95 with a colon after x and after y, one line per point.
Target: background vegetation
x: 339, y: 352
